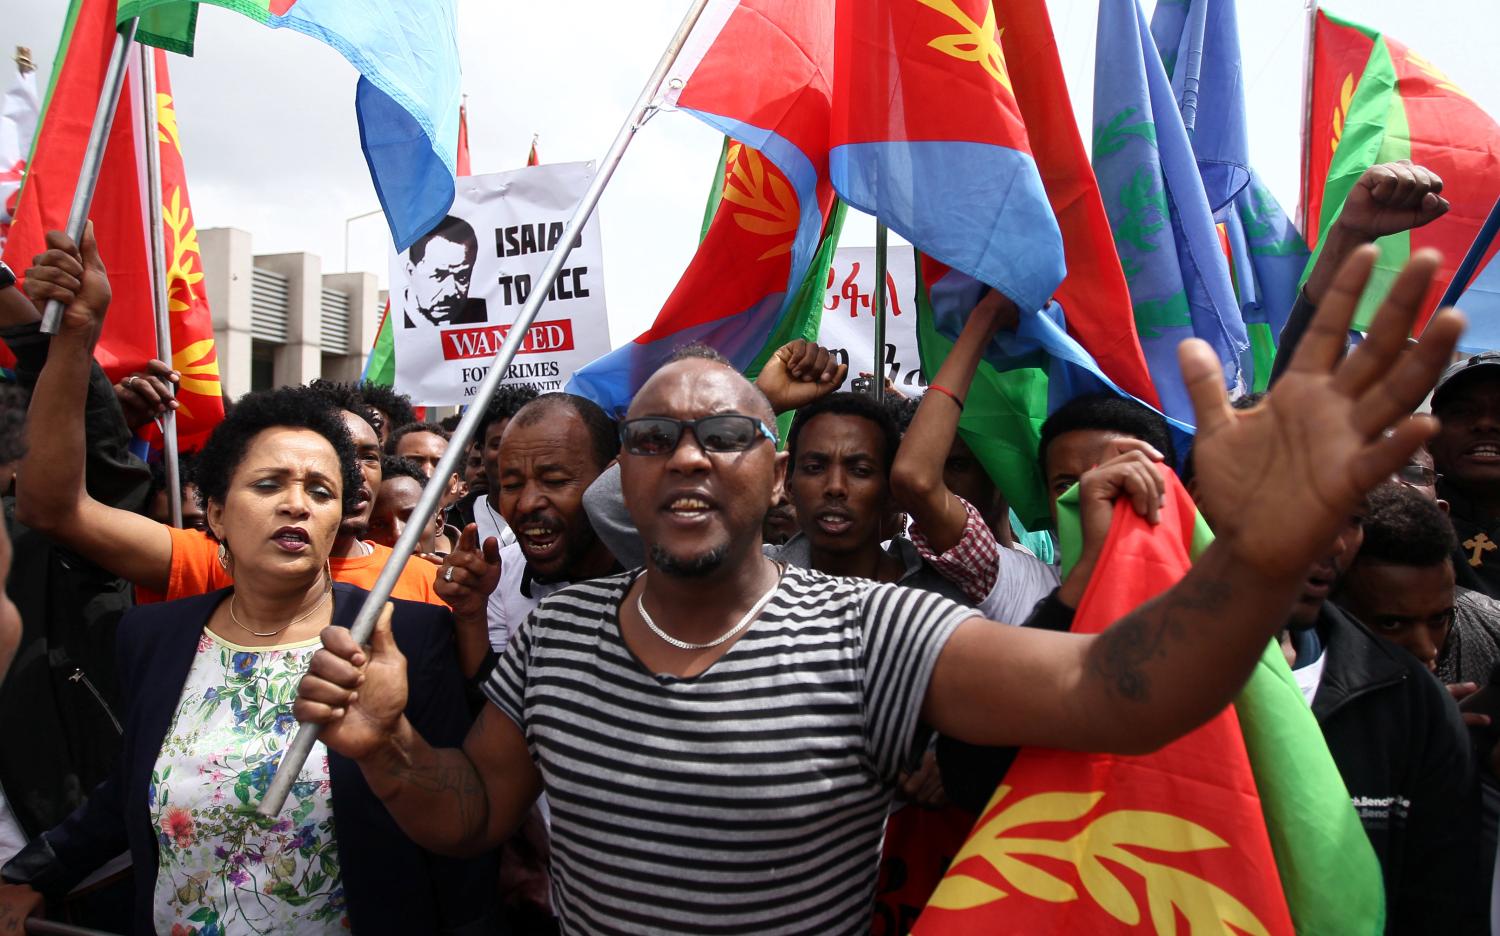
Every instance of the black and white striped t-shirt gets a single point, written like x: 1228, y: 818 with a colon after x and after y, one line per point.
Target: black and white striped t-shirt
x: 750, y: 798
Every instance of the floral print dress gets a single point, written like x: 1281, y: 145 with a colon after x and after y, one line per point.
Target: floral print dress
x: 223, y: 871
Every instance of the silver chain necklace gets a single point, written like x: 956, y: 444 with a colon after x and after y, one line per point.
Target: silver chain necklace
x: 290, y: 624
x: 640, y: 605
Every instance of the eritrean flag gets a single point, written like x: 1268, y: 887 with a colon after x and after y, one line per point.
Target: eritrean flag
x: 119, y: 213
x: 1089, y: 843
x: 759, y: 71
x: 1375, y: 101
x: 407, y: 99
x: 1083, y: 342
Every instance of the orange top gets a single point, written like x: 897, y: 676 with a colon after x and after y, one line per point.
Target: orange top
x: 196, y: 571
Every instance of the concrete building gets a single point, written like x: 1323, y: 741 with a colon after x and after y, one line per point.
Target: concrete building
x: 279, y: 319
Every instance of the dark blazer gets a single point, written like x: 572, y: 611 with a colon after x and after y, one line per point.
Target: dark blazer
x: 391, y: 885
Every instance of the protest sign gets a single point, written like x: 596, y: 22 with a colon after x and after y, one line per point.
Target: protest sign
x: 848, y: 327
x: 457, y: 290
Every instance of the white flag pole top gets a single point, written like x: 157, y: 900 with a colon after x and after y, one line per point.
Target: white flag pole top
x: 714, y: 15
x: 364, y: 624
x: 93, y: 154
x: 159, y: 286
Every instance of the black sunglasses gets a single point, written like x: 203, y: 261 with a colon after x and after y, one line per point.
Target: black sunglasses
x: 659, y: 435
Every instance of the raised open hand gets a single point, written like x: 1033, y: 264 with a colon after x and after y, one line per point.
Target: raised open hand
x: 1281, y: 478
x: 357, y: 695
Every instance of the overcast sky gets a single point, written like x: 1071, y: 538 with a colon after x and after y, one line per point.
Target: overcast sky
x: 271, y: 147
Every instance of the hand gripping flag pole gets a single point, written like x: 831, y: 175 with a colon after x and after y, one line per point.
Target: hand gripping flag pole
x: 364, y: 624
x: 93, y: 154
x: 160, y: 288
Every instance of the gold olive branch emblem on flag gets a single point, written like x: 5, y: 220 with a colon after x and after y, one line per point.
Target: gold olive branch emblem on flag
x: 166, y: 121
x: 978, y: 42
x: 770, y: 206
x: 1341, y: 110
x: 1206, y: 907
x: 1437, y: 75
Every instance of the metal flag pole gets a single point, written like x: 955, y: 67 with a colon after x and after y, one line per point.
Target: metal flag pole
x: 93, y: 153
x: 1304, y: 194
x: 1476, y: 252
x: 159, y: 290
x: 877, y: 367
x: 297, y: 752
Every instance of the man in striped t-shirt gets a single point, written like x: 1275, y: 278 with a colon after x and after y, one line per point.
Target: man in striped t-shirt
x: 720, y: 736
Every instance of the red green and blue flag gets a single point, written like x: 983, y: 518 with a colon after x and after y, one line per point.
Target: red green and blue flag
x: 759, y: 71
x: 1374, y: 100
x: 407, y: 98
x: 1159, y: 210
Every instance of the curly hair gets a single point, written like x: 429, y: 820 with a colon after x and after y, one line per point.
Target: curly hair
x: 1405, y: 527
x: 285, y: 408
x: 1106, y: 412
x: 13, y: 403
x: 847, y: 403
x: 604, y: 433
x: 394, y: 466
x: 505, y: 404
x: 403, y: 431
x: 395, y: 406
x: 346, y: 396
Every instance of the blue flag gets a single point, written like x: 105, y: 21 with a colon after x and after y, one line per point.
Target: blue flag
x: 1199, y: 44
x: 1159, y: 210
x: 1480, y: 303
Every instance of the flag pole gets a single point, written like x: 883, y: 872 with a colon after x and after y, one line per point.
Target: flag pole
x: 364, y: 624
x: 93, y: 154
x: 877, y: 366
x: 1470, y: 264
x: 1304, y: 193
x: 159, y: 291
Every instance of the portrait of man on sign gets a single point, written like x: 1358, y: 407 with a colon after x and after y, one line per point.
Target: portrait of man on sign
x: 439, y: 267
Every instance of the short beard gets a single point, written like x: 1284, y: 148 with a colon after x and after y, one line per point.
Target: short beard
x: 358, y: 529
x: 696, y: 567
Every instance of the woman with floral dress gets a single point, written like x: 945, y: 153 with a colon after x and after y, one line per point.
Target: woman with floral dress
x: 208, y: 684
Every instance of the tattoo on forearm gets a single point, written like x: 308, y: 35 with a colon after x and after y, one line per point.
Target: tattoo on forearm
x: 1124, y: 651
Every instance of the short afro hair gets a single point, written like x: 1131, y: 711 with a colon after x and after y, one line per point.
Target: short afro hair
x: 395, y: 406
x: 394, y: 466
x: 284, y: 408
x: 1405, y: 527
x: 13, y: 403
x: 698, y: 351
x: 407, y: 429
x: 505, y: 404
x: 604, y: 433
x: 846, y: 403
x: 186, y: 462
x: 1107, y: 412
x: 346, y: 396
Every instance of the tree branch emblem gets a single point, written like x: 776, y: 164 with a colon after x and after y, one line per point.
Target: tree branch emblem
x: 769, y: 203
x: 976, y: 42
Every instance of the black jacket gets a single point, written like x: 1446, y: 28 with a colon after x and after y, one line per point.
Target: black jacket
x: 392, y: 886
x: 59, y: 702
x: 1404, y: 754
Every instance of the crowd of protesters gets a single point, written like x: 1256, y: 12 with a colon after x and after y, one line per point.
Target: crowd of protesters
x: 673, y: 672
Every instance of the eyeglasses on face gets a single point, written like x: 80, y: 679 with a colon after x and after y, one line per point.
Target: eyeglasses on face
x: 660, y: 435
x: 1417, y: 476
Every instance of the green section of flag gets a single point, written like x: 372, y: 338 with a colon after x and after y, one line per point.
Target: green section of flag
x: 1001, y: 422
x: 173, y: 24
x: 715, y: 194
x: 380, y: 366
x: 1375, y: 131
x: 1263, y: 350
x: 1329, y: 872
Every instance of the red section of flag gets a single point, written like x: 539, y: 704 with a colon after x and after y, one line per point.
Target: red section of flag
x: 1340, y: 52
x: 1081, y: 843
x: 128, y: 339
x: 461, y: 164
x: 1095, y: 296
x: 194, y: 353
x: 942, y: 63
x: 1453, y: 136
x: 771, y: 68
x: 532, y: 159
